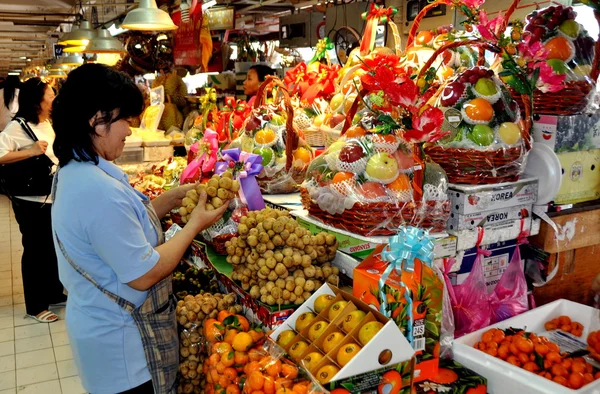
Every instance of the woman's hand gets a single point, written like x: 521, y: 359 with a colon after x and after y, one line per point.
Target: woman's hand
x: 178, y: 193
x: 202, y: 218
x: 39, y: 148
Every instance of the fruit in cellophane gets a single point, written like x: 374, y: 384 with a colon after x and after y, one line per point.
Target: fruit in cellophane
x: 448, y: 63
x: 191, y: 314
x: 264, y: 133
x: 538, y: 355
x: 278, y: 261
x: 570, y: 48
x: 479, y: 112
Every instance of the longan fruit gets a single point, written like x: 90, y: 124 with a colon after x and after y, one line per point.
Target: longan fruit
x: 261, y: 248
x: 278, y: 256
x: 285, y: 294
x: 299, y: 281
x: 293, y: 297
x: 213, y: 182
x: 288, y: 252
x: 193, y: 195
x: 183, y: 211
x: 264, y: 271
x: 263, y: 238
x: 290, y: 285
x: 253, y: 231
x: 211, y: 191
x: 310, y: 272
x: 297, y: 258
x: 225, y: 183
x: 216, y: 202
x: 223, y: 194
x: 309, y: 286
x: 186, y: 201
x: 280, y: 283
x: 272, y: 263
x: 276, y: 292
x: 298, y: 291
x: 263, y: 298
x: 227, y: 174
x: 272, y: 276
x: 277, y: 240
x: 306, y: 261
x: 280, y: 269
x: 288, y: 262
x: 298, y: 273
x: 278, y: 227
x: 299, y: 300
x: 252, y: 241
x: 270, y: 286
x: 235, y: 186
x: 268, y: 224
x: 285, y: 234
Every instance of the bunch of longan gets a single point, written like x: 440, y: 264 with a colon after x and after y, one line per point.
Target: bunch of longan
x: 218, y: 190
x: 275, y: 259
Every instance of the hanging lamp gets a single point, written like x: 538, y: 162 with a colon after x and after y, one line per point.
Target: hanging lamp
x: 72, y: 60
x: 56, y: 74
x: 148, y: 17
x: 79, y: 36
x: 104, y: 43
x: 74, y: 49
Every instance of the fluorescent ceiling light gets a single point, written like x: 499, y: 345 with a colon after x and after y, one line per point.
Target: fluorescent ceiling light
x: 14, y: 73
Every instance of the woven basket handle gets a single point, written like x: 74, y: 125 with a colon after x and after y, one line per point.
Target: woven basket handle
x: 292, y: 139
x: 410, y: 41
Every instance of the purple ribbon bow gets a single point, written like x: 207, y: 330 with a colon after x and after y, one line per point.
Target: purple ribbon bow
x: 246, y: 167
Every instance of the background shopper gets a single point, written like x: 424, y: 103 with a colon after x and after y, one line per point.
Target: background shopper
x: 9, y: 99
x: 111, y: 242
x: 255, y: 77
x: 41, y: 285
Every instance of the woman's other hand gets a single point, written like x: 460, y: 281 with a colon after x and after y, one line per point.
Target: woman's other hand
x: 178, y: 193
x: 39, y: 148
x: 202, y: 218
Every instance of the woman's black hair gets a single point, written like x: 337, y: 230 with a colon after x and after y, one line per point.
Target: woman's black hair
x: 31, y: 95
x: 89, y: 90
x: 10, y: 86
x: 262, y: 71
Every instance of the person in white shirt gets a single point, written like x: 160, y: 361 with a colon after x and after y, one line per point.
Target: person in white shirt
x: 41, y: 285
x: 9, y: 100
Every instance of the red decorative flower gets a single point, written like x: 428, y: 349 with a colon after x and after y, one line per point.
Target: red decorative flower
x: 426, y: 126
x: 489, y: 29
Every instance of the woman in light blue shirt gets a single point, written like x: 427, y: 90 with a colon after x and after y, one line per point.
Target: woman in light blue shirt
x: 109, y: 243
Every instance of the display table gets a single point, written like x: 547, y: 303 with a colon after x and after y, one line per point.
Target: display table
x: 576, y: 250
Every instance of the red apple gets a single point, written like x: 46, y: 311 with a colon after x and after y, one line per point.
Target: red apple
x: 336, y: 119
x: 452, y: 93
x: 372, y: 190
x: 351, y: 153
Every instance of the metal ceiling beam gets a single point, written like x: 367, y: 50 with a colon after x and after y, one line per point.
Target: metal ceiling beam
x: 254, y: 6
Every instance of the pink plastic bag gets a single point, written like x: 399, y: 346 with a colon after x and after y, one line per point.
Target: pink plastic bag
x: 509, y: 298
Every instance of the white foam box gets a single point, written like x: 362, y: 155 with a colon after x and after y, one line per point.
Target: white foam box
x: 487, y: 219
x: 388, y: 349
x: 467, y: 239
x: 506, y: 378
x: 359, y: 246
x: 471, y: 199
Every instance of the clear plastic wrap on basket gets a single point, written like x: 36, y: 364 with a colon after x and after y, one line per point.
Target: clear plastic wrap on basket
x: 487, y: 139
x: 269, y: 132
x: 570, y: 51
x: 372, y: 180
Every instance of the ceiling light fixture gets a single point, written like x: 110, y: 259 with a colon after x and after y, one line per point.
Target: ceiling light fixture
x: 56, y: 74
x: 74, y: 49
x: 104, y: 43
x: 79, y: 36
x: 147, y: 17
x: 208, y: 4
x: 72, y: 60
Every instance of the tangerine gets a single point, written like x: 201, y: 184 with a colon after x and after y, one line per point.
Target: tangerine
x: 566, y: 328
x: 223, y: 315
x: 230, y: 373
x: 274, y: 368
x: 242, y: 342
x: 241, y: 358
x: 578, y: 367
x: 303, y: 155
x: 559, y: 48
x: 221, y: 348
x: 269, y: 385
x: 300, y: 388
x: 503, y: 351
x: 587, y: 378
x: 283, y: 383
x: 251, y: 367
x: 289, y: 371
x: 213, y: 330
x: 567, y: 363
x: 424, y: 37
x: 553, y: 347
x: 228, y: 359
x: 559, y: 370
x: 561, y: 380
x: 400, y: 184
x: 513, y: 360
x: 342, y: 176
x: 479, y: 109
x: 549, y: 326
x: 232, y: 389
x: 553, y: 357
x: 229, y: 335
x: 256, y: 380
x: 525, y: 345
x: 531, y: 366
x: 541, y: 349
x: 355, y: 132
x: 265, y: 136
x: 576, y: 380
x: 255, y: 354
x: 523, y: 358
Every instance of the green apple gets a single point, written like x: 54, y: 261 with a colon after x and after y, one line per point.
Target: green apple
x: 368, y: 331
x: 482, y: 135
x: 336, y: 147
x: 558, y: 66
x: 352, y: 320
x: 336, y: 101
x: 382, y: 166
x: 318, y: 120
x: 266, y: 153
x: 570, y: 28
x: 316, y: 330
x: 486, y: 87
x: 277, y: 120
x: 509, y: 133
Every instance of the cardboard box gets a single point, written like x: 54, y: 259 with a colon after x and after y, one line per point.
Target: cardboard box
x: 387, y: 359
x: 360, y: 247
x: 469, y: 199
x: 505, y: 378
x: 487, y: 219
x: 426, y: 288
x: 580, y: 177
x: 493, y: 265
x: 572, y: 133
x: 453, y: 378
x: 467, y: 239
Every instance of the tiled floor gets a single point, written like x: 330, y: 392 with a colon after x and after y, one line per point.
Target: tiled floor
x: 35, y: 358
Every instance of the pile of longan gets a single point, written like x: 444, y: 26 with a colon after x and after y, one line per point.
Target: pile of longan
x: 538, y: 355
x: 277, y: 260
x: 219, y: 189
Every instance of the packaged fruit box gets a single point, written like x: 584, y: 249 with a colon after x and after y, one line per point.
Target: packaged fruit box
x: 469, y: 199
x: 546, y: 351
x: 346, y: 346
x: 427, y: 290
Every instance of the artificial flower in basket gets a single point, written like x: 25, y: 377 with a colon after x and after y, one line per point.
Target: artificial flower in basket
x: 231, y: 118
x: 374, y: 179
x: 489, y: 137
x: 269, y: 132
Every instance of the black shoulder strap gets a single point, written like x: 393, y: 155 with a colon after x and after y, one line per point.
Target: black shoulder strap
x: 27, y: 129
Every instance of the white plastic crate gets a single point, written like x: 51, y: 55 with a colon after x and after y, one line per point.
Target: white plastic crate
x: 506, y: 378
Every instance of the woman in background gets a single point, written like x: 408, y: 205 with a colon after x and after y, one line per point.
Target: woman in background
x: 255, y: 77
x: 9, y: 100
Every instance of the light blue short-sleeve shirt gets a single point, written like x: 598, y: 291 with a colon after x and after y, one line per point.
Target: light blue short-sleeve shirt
x: 105, y: 229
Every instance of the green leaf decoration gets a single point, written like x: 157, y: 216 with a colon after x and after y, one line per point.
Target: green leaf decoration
x: 432, y: 328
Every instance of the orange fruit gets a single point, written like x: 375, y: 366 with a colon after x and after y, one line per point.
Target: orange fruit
x: 347, y: 353
x: 220, y: 367
x: 553, y: 357
x: 503, y: 352
x: 256, y: 354
x: 355, y: 132
x: 531, y: 366
x: 242, y: 342
x: 228, y: 359
x: 592, y: 338
x: 559, y: 370
x: 265, y: 136
x: 424, y: 37
x: 213, y: 330
x: 223, y: 381
x: 241, y: 358
x: 229, y: 335
x: 553, y: 347
x: 499, y: 336
x: 274, y: 368
x: 303, y: 155
x: 587, y: 378
x: 223, y: 315
x: 513, y: 360
x: 401, y: 184
x: 214, y: 359
x: 251, y: 367
x: 221, y: 348
x: 492, y: 351
x: 541, y: 349
x: 289, y: 371
x: 232, y: 389
x: 523, y: 358
x: 283, y: 383
x: 230, y: 373
x: 525, y: 345
x: 561, y: 380
x: 300, y: 388
x: 256, y: 380
x: 559, y: 48
x: 567, y: 363
x: 243, y: 323
x: 342, y: 176
x: 479, y: 109
x: 269, y: 385
x: 578, y: 367
x: 566, y: 328
x: 492, y: 345
x: 446, y: 72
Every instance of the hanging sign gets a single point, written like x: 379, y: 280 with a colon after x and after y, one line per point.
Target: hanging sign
x: 188, y: 49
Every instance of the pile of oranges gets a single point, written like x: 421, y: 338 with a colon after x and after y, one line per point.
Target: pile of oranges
x: 538, y: 355
x: 564, y: 323
x: 272, y: 375
x: 232, y: 346
x: 593, y: 341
